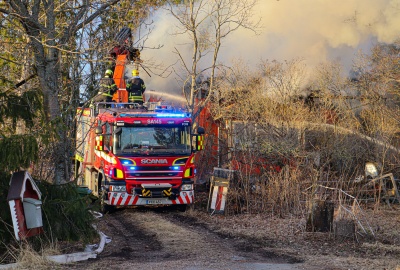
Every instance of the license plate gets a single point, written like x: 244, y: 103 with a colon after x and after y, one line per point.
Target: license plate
x: 154, y: 202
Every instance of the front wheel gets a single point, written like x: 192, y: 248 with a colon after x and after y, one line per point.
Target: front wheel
x: 104, y: 207
x: 180, y: 207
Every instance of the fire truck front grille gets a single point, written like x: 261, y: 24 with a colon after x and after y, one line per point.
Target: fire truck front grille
x: 156, y: 171
x: 154, y: 168
x: 150, y: 174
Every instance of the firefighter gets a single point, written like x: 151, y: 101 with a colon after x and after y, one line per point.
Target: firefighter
x: 135, y: 88
x: 107, y: 88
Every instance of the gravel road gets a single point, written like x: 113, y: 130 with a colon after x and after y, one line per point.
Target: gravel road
x: 150, y: 239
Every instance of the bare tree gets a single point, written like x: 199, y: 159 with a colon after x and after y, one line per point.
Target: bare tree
x: 55, y: 32
x: 377, y: 81
x: 208, y: 23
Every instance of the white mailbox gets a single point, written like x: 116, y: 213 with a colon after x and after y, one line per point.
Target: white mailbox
x: 25, y: 205
x: 33, y: 213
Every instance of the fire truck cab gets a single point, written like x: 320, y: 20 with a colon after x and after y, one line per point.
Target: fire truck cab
x: 130, y: 155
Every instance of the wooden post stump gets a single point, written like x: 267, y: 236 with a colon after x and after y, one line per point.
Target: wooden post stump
x: 320, y: 218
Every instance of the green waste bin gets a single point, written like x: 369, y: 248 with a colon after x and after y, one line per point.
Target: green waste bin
x: 83, y: 191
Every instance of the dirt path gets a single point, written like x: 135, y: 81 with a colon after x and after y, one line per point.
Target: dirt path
x: 171, y: 240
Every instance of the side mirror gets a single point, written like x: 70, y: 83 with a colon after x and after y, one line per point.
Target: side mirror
x: 200, y: 130
x: 99, y: 143
x: 98, y: 130
x: 199, y: 142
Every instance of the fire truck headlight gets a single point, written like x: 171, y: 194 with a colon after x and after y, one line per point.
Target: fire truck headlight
x: 118, y: 188
x: 186, y: 187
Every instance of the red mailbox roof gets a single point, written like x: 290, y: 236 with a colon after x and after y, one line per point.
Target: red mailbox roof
x: 22, y: 185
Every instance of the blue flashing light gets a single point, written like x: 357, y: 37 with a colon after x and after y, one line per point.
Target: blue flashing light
x: 126, y: 161
x: 130, y: 115
x: 156, y: 114
x: 175, y: 167
x: 172, y: 115
x: 132, y: 168
x: 110, y: 172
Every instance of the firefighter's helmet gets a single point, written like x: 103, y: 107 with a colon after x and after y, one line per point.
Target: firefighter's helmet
x: 135, y: 72
x: 109, y: 72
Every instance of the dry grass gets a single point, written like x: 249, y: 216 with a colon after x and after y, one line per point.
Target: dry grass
x: 289, y: 236
x: 33, y: 252
x: 27, y: 258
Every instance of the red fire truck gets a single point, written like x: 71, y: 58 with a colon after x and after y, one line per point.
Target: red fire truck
x: 136, y: 155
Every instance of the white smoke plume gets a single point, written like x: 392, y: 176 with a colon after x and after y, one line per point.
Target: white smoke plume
x: 313, y: 30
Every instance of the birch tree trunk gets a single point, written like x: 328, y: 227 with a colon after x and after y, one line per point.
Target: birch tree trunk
x: 47, y: 36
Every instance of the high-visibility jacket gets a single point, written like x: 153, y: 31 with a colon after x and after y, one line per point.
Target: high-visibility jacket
x: 135, y: 88
x: 107, y: 87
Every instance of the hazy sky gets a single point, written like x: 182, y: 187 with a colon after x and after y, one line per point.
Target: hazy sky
x: 313, y: 30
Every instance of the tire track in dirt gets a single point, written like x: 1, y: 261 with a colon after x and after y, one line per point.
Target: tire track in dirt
x: 248, y: 247
x: 129, y: 241
x: 150, y: 239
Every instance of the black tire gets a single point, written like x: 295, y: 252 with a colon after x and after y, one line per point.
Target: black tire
x: 104, y: 207
x: 181, y: 207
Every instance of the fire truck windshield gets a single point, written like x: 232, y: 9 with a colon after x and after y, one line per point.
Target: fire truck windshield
x: 152, y: 141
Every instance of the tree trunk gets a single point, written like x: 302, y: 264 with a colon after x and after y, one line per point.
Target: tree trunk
x: 320, y: 218
x: 48, y: 34
x: 48, y: 76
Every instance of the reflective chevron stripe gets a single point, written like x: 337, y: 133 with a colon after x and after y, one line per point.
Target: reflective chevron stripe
x: 124, y: 199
